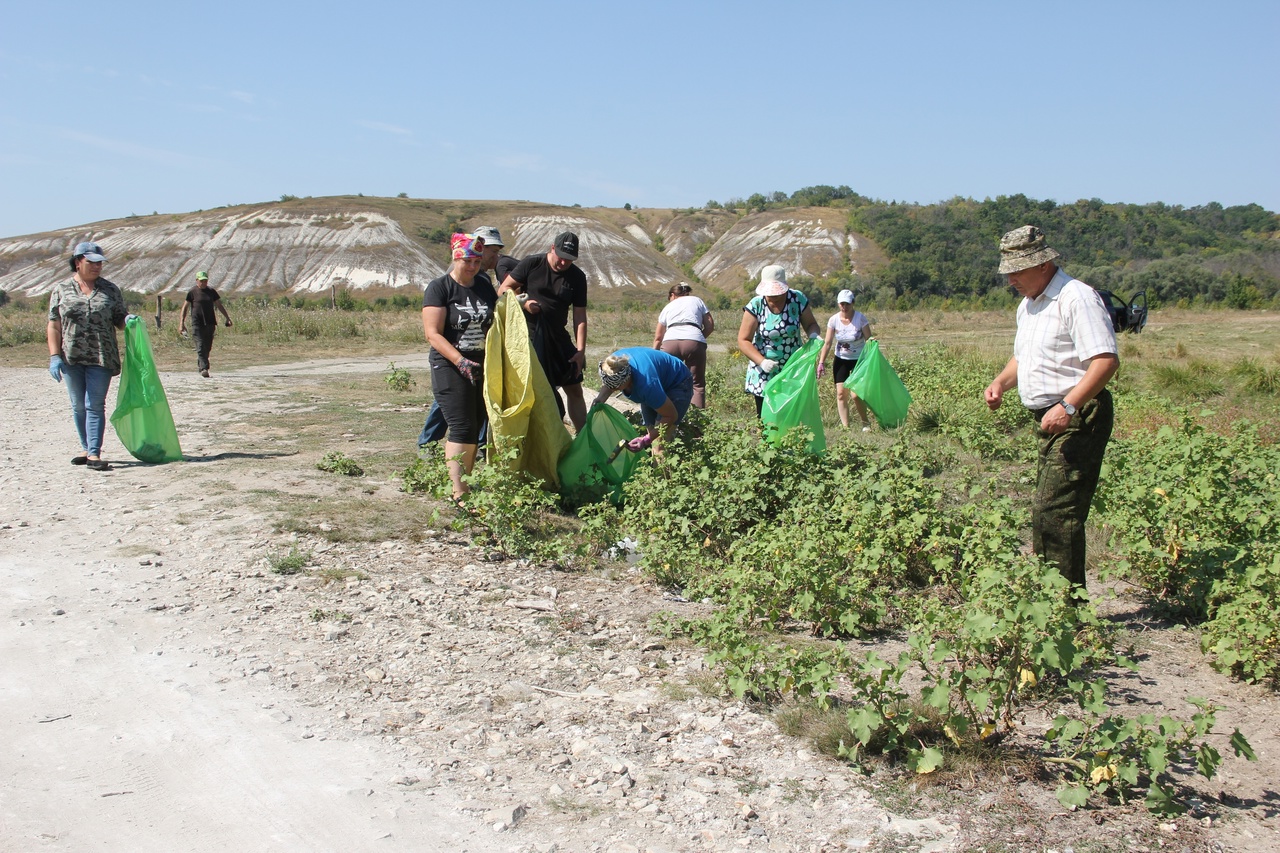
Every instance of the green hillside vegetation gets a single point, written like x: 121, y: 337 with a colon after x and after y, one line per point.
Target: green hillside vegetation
x: 945, y: 254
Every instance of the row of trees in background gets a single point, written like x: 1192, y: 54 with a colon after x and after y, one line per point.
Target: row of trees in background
x: 947, y: 252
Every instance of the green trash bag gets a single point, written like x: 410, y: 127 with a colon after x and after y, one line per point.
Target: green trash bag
x: 142, y: 418
x: 877, y: 384
x: 520, y: 401
x: 791, y: 399
x: 587, y: 473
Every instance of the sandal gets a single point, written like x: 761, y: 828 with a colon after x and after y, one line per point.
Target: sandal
x: 79, y: 460
x: 98, y: 464
x: 463, y: 507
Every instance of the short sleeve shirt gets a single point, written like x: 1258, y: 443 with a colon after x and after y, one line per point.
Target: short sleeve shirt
x: 202, y: 300
x: 1058, y: 332
x: 777, y: 336
x: 683, y: 318
x: 89, y: 323
x: 468, y: 311
x: 556, y: 292
x: 850, y: 337
x: 653, y: 375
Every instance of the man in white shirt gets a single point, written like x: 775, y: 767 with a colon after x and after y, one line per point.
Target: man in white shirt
x: 1063, y: 356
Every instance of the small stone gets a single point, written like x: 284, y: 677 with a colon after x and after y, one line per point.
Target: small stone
x: 57, y: 611
x: 375, y: 675
x: 505, y: 817
x: 541, y: 604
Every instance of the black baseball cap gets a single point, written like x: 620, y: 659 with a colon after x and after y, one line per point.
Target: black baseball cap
x: 567, y: 246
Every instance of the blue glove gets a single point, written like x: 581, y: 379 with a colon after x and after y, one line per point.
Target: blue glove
x: 57, y: 367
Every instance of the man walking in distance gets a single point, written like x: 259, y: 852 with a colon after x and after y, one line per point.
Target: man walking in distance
x: 1063, y: 356
x: 434, y: 428
x: 201, y: 302
x: 550, y: 285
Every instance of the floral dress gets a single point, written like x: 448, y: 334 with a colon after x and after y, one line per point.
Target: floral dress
x: 778, y: 336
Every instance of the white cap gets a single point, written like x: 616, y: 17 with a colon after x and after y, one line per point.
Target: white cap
x: 845, y: 296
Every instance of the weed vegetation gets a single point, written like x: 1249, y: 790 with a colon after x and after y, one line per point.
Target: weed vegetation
x: 913, y: 540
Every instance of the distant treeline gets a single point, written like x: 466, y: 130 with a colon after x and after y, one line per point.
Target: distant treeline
x: 946, y: 253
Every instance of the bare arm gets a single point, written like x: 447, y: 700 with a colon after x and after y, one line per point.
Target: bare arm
x: 580, y: 336
x: 826, y: 345
x: 182, y: 318
x: 746, y: 332
x: 225, y: 315
x: 708, y: 324
x: 1005, y: 380
x: 659, y: 332
x: 1097, y: 373
x: 810, y: 324
x: 433, y: 327
x: 53, y: 334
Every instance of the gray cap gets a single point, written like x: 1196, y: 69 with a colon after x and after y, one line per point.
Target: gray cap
x: 1023, y: 248
x: 490, y: 235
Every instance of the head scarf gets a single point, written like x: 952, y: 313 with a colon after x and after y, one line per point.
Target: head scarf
x: 616, y: 376
x: 466, y: 246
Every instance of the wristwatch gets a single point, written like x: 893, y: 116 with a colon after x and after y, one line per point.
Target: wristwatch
x: 1070, y: 409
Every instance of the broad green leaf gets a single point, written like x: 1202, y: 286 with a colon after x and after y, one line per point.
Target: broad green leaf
x: 927, y: 760
x: 1240, y: 746
x: 1073, y: 796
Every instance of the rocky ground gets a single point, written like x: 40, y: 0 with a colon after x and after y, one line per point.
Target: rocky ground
x: 433, y: 694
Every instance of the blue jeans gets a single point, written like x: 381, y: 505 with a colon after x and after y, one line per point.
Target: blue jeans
x: 435, y: 427
x: 680, y: 396
x: 87, y: 385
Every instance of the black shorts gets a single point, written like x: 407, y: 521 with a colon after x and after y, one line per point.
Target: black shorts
x: 554, y: 348
x: 461, y: 402
x: 843, y: 367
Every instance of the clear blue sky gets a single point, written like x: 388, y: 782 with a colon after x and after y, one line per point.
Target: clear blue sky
x: 108, y: 109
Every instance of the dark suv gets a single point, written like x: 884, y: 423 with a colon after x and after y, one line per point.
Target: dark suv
x: 1128, y: 316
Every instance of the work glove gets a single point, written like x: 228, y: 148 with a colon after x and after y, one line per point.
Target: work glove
x: 228, y: 323
x: 767, y: 365
x: 822, y: 368
x: 813, y: 336
x: 469, y: 369
x: 635, y: 445
x: 128, y: 317
x: 57, y: 367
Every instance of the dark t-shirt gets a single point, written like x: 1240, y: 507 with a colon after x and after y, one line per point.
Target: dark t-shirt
x: 468, y: 311
x: 555, y: 292
x: 202, y: 300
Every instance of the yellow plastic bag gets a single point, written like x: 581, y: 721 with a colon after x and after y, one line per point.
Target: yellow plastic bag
x: 520, y: 401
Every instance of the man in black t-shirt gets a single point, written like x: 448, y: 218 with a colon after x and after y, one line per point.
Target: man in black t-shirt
x: 201, y: 302
x: 550, y: 285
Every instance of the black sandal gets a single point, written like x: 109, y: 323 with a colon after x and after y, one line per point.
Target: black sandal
x: 79, y: 460
x: 99, y: 464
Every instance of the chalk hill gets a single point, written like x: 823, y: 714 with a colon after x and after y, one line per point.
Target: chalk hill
x: 382, y: 245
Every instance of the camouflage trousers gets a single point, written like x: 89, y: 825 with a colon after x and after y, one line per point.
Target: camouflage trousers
x: 1066, y: 478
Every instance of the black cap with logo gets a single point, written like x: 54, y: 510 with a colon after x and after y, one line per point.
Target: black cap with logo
x: 567, y: 246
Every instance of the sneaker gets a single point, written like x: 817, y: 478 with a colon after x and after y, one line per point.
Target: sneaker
x: 205, y: 374
x: 866, y: 429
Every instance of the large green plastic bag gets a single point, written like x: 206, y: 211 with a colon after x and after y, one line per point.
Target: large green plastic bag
x: 791, y: 399
x: 520, y: 401
x: 142, y: 418
x: 877, y: 384
x: 586, y: 472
